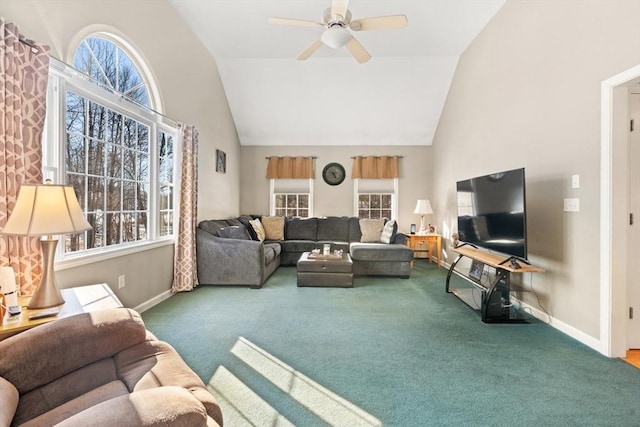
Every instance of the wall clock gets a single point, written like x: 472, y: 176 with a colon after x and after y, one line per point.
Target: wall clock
x: 333, y: 174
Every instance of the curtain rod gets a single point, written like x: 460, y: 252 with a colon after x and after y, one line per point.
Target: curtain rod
x: 280, y: 157
x: 377, y: 157
x: 28, y: 42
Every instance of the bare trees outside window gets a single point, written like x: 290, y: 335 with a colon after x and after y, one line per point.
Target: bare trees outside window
x: 114, y: 157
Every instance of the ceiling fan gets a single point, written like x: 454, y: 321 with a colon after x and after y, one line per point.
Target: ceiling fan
x: 337, y: 22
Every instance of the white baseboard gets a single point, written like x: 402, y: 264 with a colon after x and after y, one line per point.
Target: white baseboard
x: 569, y: 330
x: 153, y: 301
x: 565, y: 328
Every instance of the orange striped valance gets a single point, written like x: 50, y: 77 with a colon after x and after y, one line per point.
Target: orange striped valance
x: 375, y: 167
x: 290, y: 168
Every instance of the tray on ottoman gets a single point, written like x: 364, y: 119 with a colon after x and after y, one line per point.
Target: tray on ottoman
x: 325, y: 272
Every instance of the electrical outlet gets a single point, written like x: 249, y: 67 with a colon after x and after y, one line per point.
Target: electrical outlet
x: 572, y: 205
x: 121, y: 282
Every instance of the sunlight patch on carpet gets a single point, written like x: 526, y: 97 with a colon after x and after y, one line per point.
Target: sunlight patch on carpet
x: 240, y: 405
x: 327, y: 405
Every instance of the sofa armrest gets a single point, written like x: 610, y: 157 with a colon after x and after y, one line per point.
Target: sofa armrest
x: 8, y: 402
x: 108, y: 331
x: 223, y: 261
x: 160, y: 406
x: 400, y: 239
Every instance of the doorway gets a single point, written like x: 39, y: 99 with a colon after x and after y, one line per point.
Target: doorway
x: 614, y: 212
x: 633, y: 228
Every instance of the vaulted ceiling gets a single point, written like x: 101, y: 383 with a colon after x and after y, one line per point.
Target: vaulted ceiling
x: 330, y: 99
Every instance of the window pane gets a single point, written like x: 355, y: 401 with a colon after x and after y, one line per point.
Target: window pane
x: 97, y: 121
x: 75, y: 159
x: 129, y: 165
x: 303, y: 201
x: 304, y: 213
x: 75, y: 113
x: 363, y: 201
x: 280, y: 200
x: 130, y: 136
x: 128, y: 196
x: 142, y: 168
x: 113, y: 228
x: 375, y: 201
x: 363, y: 214
x: 95, y: 236
x: 166, y: 223
x: 75, y: 242
x: 165, y: 197
x: 143, y: 138
x: 386, y: 201
x: 114, y: 161
x: 95, y: 164
x: 374, y: 214
x: 142, y: 225
x: 95, y: 194
x: 143, y: 197
x: 386, y: 214
x: 114, y: 127
x: 281, y: 212
x: 113, y: 195
x: 129, y: 227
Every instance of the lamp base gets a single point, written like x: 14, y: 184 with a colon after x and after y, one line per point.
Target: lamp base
x: 47, y: 293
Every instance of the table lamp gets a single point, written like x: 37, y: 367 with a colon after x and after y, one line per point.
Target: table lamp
x: 423, y: 207
x: 46, y: 210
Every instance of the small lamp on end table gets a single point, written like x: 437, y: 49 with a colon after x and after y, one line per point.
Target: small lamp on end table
x: 46, y: 210
x: 423, y: 207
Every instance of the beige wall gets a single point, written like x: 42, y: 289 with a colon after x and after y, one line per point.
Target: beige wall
x: 527, y: 93
x: 336, y: 200
x: 191, y: 91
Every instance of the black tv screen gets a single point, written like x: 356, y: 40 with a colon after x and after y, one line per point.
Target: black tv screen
x: 492, y: 212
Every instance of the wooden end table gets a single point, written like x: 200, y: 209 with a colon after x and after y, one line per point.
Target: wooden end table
x: 423, y: 243
x: 82, y: 299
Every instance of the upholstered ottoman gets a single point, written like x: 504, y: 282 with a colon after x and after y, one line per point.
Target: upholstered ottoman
x: 337, y: 273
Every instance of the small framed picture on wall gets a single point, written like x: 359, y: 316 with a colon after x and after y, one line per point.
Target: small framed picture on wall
x: 221, y: 161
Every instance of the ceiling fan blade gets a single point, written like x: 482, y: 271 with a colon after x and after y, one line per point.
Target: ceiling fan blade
x: 339, y: 7
x: 310, y: 50
x: 296, y: 22
x: 379, y: 23
x: 358, y: 51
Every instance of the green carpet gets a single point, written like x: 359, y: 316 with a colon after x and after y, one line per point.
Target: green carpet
x: 396, y: 352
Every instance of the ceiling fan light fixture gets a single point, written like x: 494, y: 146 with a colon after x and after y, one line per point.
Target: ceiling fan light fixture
x: 336, y: 36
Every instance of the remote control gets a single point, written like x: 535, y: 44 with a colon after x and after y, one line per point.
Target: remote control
x: 14, y: 310
x: 43, y: 314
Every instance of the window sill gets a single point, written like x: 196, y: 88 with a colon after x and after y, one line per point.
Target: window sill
x: 103, y: 255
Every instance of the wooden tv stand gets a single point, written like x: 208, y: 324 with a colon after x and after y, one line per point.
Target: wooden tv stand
x: 494, y: 303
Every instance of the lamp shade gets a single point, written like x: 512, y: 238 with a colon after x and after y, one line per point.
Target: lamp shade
x: 336, y: 37
x: 423, y: 207
x: 46, y: 209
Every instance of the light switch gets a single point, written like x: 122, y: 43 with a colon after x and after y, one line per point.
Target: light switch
x: 572, y: 205
x: 575, y: 181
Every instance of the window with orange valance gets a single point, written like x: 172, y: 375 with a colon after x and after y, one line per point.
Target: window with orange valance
x: 290, y: 168
x: 375, y: 167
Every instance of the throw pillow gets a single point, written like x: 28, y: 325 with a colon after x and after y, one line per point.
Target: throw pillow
x: 273, y: 227
x: 371, y: 230
x: 257, y: 227
x: 235, y: 232
x: 388, y: 232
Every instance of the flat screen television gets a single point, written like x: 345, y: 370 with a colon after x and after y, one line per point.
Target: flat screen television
x: 492, y: 212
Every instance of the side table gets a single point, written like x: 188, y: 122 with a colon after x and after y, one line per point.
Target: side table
x: 421, y: 243
x: 82, y: 299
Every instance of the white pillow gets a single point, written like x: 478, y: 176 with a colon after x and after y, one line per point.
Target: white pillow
x: 388, y: 231
x: 371, y: 230
x: 257, y: 227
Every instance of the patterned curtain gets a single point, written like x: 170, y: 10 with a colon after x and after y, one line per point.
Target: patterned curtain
x: 375, y: 167
x: 290, y: 168
x: 24, y: 68
x: 185, y: 272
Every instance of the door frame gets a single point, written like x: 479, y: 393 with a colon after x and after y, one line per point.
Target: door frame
x: 613, y: 299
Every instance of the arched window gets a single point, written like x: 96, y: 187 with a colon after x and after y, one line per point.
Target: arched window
x: 108, y: 64
x: 117, y: 155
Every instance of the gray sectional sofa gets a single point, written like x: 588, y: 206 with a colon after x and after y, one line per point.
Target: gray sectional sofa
x: 227, y: 253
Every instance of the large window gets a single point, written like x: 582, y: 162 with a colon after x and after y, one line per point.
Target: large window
x: 376, y: 198
x: 292, y: 204
x: 118, y: 156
